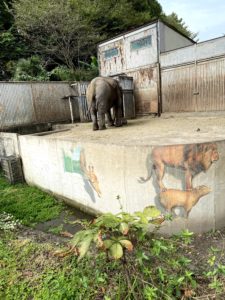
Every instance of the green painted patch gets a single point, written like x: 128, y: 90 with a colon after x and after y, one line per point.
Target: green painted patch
x: 72, y: 161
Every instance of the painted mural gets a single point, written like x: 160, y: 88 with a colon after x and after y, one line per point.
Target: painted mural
x: 75, y: 162
x: 192, y: 159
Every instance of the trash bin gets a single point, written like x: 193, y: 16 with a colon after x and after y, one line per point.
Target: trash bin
x: 126, y: 83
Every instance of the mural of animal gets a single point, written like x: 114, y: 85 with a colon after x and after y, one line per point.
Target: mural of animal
x: 92, y: 178
x: 172, y: 198
x: 103, y: 93
x: 193, y: 159
x: 89, y: 173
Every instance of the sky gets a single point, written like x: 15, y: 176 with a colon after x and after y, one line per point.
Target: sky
x: 207, y: 17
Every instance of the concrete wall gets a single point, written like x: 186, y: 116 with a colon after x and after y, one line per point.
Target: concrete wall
x: 201, y: 51
x: 93, y: 175
x: 171, y: 39
x: 27, y: 103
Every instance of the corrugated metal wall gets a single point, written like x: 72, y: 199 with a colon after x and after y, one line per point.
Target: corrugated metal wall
x: 194, y: 87
x: 193, y: 78
x: 27, y: 103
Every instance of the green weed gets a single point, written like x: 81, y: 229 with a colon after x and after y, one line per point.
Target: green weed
x: 27, y: 204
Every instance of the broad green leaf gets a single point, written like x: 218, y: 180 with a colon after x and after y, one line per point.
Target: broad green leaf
x: 116, y: 250
x: 151, y: 212
x: 125, y: 217
x: 84, y: 246
x: 108, y: 220
x: 108, y: 243
x: 124, y: 228
x: 143, y: 219
x: 127, y: 244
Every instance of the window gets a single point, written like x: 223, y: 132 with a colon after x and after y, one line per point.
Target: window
x: 111, y: 53
x: 141, y: 43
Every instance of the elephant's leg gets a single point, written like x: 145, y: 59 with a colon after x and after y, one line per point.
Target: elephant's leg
x: 118, y: 117
x: 94, y: 118
x: 109, y: 118
x: 101, y: 121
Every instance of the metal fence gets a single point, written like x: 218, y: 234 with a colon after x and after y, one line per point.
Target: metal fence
x: 27, y: 103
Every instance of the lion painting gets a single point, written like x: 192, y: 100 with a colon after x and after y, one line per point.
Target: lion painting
x: 193, y: 159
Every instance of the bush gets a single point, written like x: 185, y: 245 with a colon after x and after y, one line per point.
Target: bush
x: 30, y: 69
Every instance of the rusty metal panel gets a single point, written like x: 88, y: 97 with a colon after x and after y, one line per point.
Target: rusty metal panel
x: 48, y: 103
x: 195, y: 87
x: 114, y: 64
x: 16, y: 107
x: 84, y: 113
x: 145, y: 90
x: 27, y: 103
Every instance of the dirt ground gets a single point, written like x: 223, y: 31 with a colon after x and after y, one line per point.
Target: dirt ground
x: 168, y: 129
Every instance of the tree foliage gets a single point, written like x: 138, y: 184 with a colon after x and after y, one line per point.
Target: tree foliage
x: 56, y: 29
x: 112, y: 17
x: 12, y: 45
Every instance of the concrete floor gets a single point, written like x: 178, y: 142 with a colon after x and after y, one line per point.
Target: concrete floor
x: 170, y: 128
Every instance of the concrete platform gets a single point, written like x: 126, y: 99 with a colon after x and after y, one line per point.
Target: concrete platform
x: 176, y: 162
x: 166, y: 130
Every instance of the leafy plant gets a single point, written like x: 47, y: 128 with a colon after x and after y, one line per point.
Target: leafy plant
x: 216, y: 271
x: 116, y: 233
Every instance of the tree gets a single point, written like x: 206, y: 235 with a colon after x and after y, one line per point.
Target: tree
x: 56, y: 29
x: 12, y: 46
x: 111, y: 17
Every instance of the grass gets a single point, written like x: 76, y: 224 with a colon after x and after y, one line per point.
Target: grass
x: 27, y: 204
x: 31, y: 271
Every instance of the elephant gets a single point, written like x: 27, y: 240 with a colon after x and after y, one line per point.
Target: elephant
x: 104, y: 93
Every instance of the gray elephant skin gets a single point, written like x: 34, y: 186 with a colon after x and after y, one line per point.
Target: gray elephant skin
x: 104, y: 93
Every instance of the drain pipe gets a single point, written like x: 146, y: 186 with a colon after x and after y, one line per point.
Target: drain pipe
x: 159, y: 71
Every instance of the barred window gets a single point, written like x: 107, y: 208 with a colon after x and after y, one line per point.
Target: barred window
x: 141, y: 43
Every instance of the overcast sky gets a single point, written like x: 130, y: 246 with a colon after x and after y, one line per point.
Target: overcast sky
x: 205, y: 17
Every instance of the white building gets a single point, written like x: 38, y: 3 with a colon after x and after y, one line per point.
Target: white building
x: 136, y: 53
